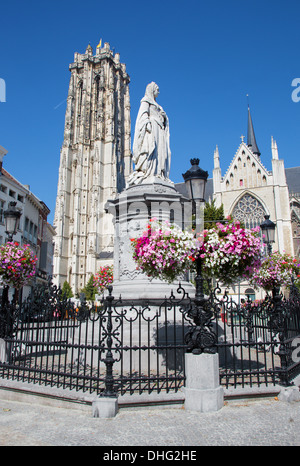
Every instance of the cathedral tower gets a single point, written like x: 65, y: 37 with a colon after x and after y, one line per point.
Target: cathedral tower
x: 95, y: 162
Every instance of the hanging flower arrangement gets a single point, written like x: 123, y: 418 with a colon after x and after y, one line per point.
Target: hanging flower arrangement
x: 230, y: 252
x: 103, y: 278
x: 164, y: 251
x: 17, y: 264
x: 276, y: 270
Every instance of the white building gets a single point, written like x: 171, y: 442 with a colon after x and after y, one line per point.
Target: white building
x: 33, y: 228
x: 248, y: 192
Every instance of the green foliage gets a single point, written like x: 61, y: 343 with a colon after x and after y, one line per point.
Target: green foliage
x: 67, y: 290
x: 89, y: 290
x: 212, y: 214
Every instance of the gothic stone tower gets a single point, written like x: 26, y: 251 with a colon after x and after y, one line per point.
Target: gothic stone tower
x: 94, y: 164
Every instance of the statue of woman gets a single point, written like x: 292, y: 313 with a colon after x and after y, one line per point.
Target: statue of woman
x: 151, y: 146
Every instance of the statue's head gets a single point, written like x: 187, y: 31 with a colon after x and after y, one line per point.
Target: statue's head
x: 152, y: 90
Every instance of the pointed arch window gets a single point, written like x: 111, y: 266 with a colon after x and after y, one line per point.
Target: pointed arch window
x: 249, y: 211
x: 295, y: 206
x: 97, y: 85
x: 80, y: 90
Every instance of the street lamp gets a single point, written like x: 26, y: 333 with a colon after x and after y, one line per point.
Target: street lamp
x: 201, y: 338
x: 195, y: 181
x: 12, y: 220
x: 268, y: 229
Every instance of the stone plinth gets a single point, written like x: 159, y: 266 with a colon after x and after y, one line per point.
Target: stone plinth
x: 5, y: 351
x: 105, y: 407
x: 202, y: 390
x: 132, y: 210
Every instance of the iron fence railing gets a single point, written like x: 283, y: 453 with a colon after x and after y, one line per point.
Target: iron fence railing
x: 136, y: 347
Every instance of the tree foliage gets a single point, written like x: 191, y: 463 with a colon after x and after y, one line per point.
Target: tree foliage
x: 212, y: 214
x: 67, y: 290
x: 89, y: 290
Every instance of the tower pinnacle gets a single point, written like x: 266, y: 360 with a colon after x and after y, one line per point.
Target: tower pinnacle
x: 251, y: 141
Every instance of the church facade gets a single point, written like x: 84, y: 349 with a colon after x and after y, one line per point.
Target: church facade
x: 248, y: 191
x: 96, y: 161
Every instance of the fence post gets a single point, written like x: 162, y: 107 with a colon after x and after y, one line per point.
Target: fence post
x: 8, y: 317
x: 106, y: 405
x: 278, y: 325
x: 202, y: 390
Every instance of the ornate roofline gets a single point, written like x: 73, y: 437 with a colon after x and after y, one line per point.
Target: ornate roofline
x: 244, y: 145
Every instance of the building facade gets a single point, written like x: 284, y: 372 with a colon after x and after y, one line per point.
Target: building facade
x: 94, y: 164
x: 34, y: 228
x: 248, y: 192
x: 293, y: 180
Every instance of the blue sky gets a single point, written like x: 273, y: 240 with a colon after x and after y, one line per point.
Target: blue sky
x: 205, y: 57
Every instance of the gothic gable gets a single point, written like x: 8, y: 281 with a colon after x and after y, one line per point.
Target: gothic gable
x: 245, y: 171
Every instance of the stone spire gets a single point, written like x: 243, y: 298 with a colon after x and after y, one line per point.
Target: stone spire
x: 274, y: 149
x: 216, y: 158
x: 251, y: 141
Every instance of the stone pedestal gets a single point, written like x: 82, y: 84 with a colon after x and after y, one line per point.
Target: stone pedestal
x: 132, y: 210
x: 105, y: 407
x: 203, y: 391
x: 289, y: 394
x: 5, y: 351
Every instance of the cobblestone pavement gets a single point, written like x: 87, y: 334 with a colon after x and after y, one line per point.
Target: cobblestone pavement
x: 254, y: 422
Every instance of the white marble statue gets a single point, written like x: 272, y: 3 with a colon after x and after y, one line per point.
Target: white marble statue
x: 151, y: 144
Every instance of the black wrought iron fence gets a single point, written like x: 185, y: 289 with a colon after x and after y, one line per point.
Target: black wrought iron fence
x: 114, y: 347
x: 256, y: 340
x: 137, y: 347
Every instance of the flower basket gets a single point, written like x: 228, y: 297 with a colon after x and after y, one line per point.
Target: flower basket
x: 103, y: 278
x: 230, y: 252
x: 164, y: 251
x: 276, y: 270
x: 17, y: 264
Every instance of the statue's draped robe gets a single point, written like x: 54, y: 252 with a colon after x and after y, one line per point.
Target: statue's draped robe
x: 151, y: 146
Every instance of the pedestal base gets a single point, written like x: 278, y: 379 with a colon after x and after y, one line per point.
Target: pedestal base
x: 155, y: 291
x: 204, y: 401
x: 203, y: 391
x: 5, y: 351
x: 105, y: 407
x: 132, y: 209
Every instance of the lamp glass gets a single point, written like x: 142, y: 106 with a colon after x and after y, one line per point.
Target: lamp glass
x: 196, y: 188
x: 268, y: 229
x: 195, y: 180
x: 12, y: 219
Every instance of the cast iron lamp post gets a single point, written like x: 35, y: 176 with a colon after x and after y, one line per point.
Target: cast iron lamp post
x: 195, y: 181
x: 12, y: 222
x: 268, y: 229
x: 200, y: 339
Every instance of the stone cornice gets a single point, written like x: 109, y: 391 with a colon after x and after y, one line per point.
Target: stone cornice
x: 97, y: 59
